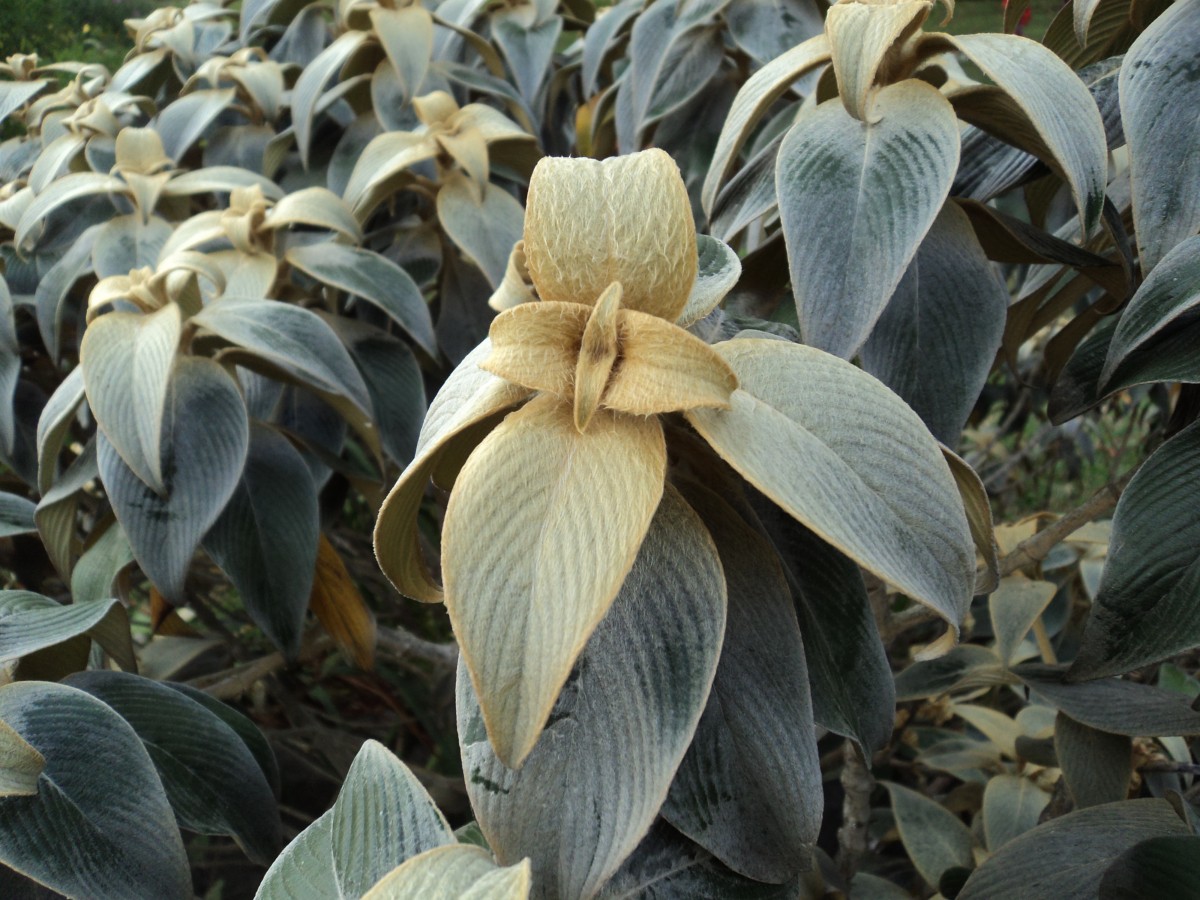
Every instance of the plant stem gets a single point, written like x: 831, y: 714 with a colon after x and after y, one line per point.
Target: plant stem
x: 1035, y: 549
x: 857, y: 784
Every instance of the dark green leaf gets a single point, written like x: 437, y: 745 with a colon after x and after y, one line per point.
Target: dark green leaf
x: 376, y: 279
x: 1165, y: 868
x: 100, y: 825
x: 16, y: 515
x: 1113, y: 705
x: 594, y: 781
x: 266, y: 537
x: 937, y: 338
x: 204, y: 438
x: 30, y: 622
x: 213, y: 782
x: 1097, y: 765
x: 1148, y: 605
x: 1065, y: 858
x: 749, y: 788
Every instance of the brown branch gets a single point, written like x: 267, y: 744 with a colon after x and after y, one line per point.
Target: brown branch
x: 403, y: 646
x: 857, y: 785
x: 1036, y: 548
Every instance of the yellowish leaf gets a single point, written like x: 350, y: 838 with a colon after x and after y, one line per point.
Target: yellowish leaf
x: 626, y: 219
x: 541, y: 530
x: 467, y: 147
x: 537, y: 345
x: 340, y: 608
x: 470, y: 395
x: 866, y: 40
x: 597, y: 353
x: 663, y: 368
x: 454, y: 872
x: 20, y: 764
x: 516, y: 288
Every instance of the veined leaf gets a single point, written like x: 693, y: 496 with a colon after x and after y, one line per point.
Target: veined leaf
x: 749, y: 788
x: 1112, y: 704
x: 127, y: 360
x: 855, y: 200
x: 718, y: 270
x: 205, y: 436
x: 382, y: 165
x: 311, y: 84
x: 1066, y: 857
x: 525, y: 502
x: 935, y: 838
x: 456, y: 872
x: 30, y: 622
x: 70, y: 187
x: 1014, y: 607
x: 266, y: 537
x: 213, y: 782
x: 484, y: 230
x: 861, y: 36
x: 103, y: 792
x: 470, y: 395
x: 1159, y: 93
x: 1011, y: 807
x: 1097, y: 765
x: 382, y: 817
x: 528, y: 49
x: 15, y: 94
x: 1170, y: 296
x: 591, y: 787
x: 185, y: 120
x: 937, y: 338
x: 407, y: 38
x: 753, y: 100
x: 304, y: 870
x: 866, y: 475
x: 1146, y: 609
x: 1059, y: 107
x: 316, y: 206
x: 16, y: 515
x: 1155, y: 867
x: 376, y: 279
x: 291, y: 337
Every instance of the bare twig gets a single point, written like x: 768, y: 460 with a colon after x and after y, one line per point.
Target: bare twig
x: 405, y: 646
x: 1034, y: 549
x: 234, y: 682
x: 857, y: 784
x: 1170, y: 766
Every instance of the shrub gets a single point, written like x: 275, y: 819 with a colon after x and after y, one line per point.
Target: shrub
x: 690, y: 496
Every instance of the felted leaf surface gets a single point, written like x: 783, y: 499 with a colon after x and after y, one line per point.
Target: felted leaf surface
x: 266, y: 537
x: 585, y: 227
x: 376, y: 279
x: 304, y: 870
x: 1155, y: 867
x: 749, y: 788
x: 937, y: 338
x: 484, y: 230
x: 382, y: 817
x: 1011, y: 806
x: 1159, y: 93
x: 753, y: 100
x: 100, y: 825
x: 468, y: 396
x: 1097, y: 765
x: 855, y: 200
x: 1112, y: 704
x: 1146, y: 608
x: 1059, y: 106
x: 590, y: 788
x: 127, y: 359
x: 858, y: 467
x: 534, y: 494
x: 1167, y: 299
x: 1066, y: 857
x: 30, y: 622
x: 452, y: 873
x: 213, y: 782
x: 205, y: 436
x: 934, y: 837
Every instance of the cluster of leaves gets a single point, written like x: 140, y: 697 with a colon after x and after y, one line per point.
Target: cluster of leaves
x: 684, y: 538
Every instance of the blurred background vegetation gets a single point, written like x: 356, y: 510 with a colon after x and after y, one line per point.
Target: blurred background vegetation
x: 78, y: 30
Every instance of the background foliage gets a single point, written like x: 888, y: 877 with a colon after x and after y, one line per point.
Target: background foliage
x: 244, y: 246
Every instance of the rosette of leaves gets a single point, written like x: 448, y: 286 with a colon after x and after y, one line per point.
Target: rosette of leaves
x: 855, y: 187
x: 591, y: 530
